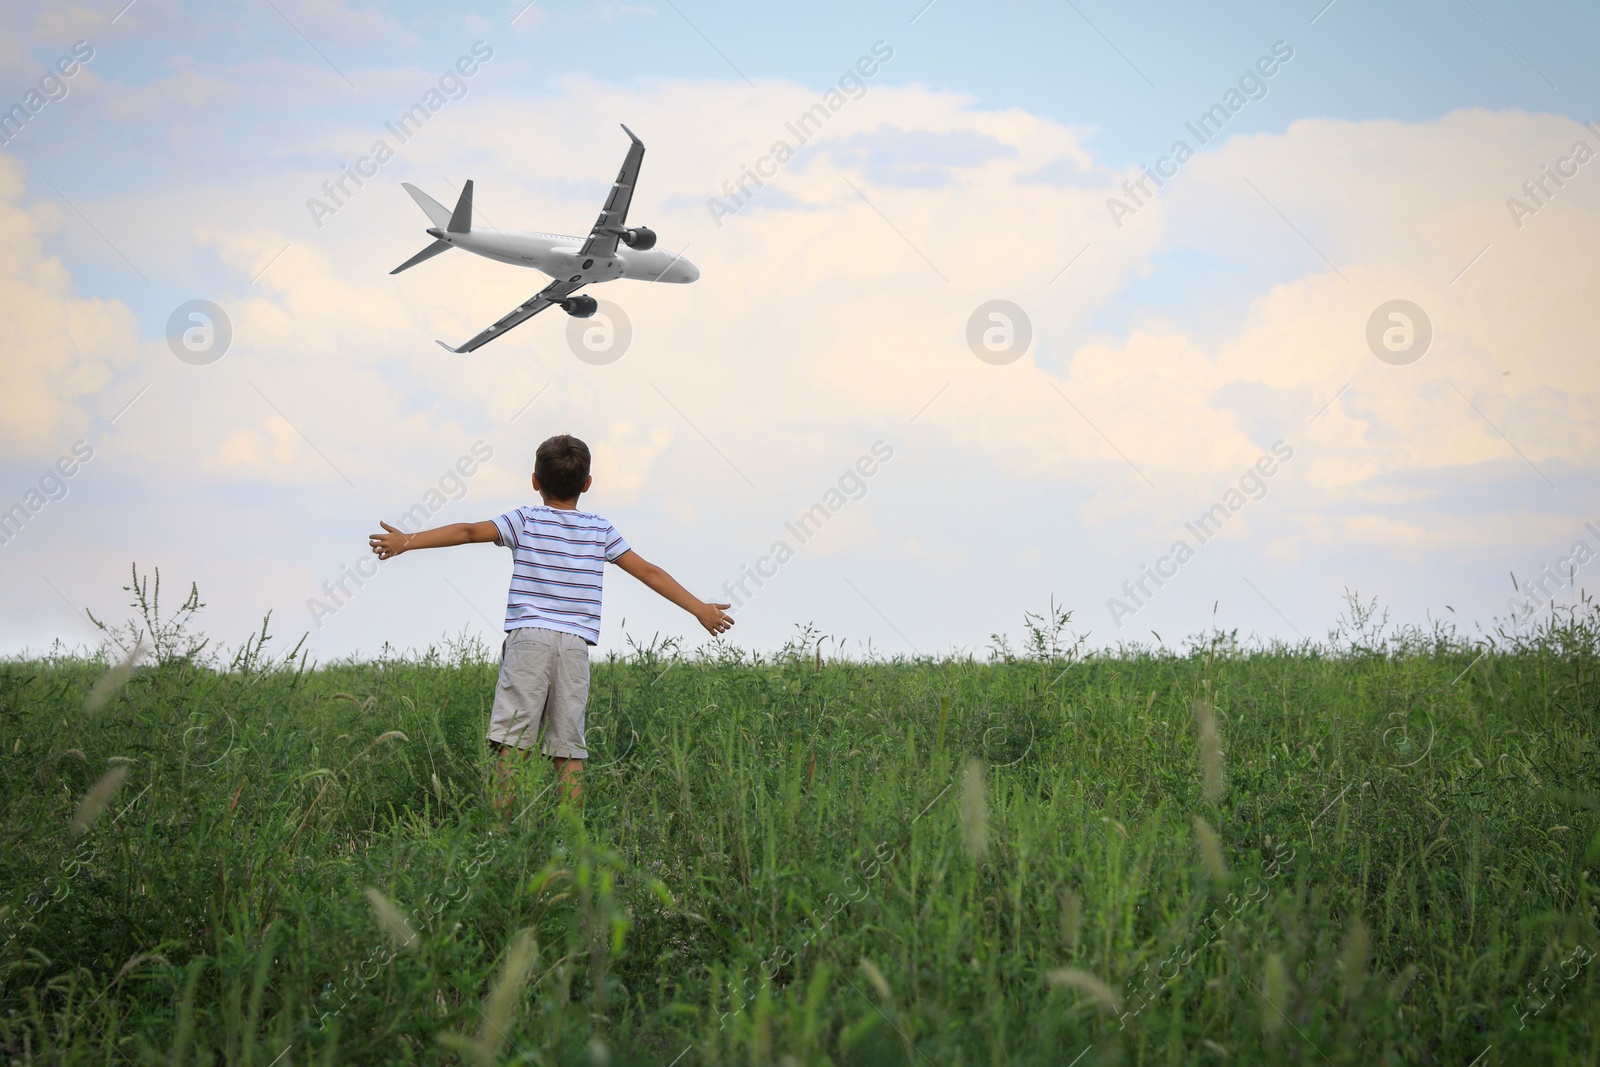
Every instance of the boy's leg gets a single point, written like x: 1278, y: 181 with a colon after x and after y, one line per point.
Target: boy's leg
x: 564, y: 718
x: 569, y: 772
x: 520, y: 698
x: 505, y: 777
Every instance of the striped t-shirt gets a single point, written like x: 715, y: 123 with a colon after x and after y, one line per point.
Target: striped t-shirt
x: 558, y: 562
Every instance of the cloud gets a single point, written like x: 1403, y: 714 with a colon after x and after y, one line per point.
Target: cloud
x: 266, y: 449
x: 32, y: 38
x: 628, y: 457
x: 833, y: 315
x: 339, y: 22
x: 186, y: 93
x: 62, y: 349
x: 892, y: 157
x: 528, y: 17
x: 1074, y: 171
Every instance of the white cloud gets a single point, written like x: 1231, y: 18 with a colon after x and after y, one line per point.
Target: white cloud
x: 62, y: 348
x: 826, y: 318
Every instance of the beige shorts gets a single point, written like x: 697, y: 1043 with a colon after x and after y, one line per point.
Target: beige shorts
x: 544, y: 677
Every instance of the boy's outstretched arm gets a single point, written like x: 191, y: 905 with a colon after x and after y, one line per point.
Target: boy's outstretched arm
x: 711, y: 616
x: 393, y: 541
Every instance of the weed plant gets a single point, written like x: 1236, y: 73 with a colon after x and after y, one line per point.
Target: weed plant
x: 1376, y: 849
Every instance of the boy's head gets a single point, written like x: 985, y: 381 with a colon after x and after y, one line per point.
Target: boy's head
x: 561, y: 468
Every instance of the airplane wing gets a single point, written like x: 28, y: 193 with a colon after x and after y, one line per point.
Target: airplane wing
x: 553, y: 293
x: 614, y: 216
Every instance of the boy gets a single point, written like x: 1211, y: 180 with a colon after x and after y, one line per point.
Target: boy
x: 553, y: 607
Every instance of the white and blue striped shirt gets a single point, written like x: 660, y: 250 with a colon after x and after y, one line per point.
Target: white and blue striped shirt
x: 558, y: 564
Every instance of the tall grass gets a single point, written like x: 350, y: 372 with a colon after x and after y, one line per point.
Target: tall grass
x: 1378, y: 849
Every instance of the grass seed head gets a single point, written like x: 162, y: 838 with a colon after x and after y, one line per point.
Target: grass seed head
x: 138, y: 958
x: 974, y: 812
x: 499, y: 1013
x: 1086, y: 983
x: 1402, y: 983
x: 1211, y: 853
x: 1275, y: 990
x: 507, y: 992
x: 1071, y: 918
x: 875, y: 976
x: 393, y: 920
x: 98, y: 796
x: 1353, y: 959
x: 1205, y: 718
x: 113, y: 680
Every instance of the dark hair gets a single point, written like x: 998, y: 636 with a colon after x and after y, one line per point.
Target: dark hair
x: 562, y: 466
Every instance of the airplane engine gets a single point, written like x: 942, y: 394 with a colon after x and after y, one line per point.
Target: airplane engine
x: 580, y: 307
x: 640, y: 239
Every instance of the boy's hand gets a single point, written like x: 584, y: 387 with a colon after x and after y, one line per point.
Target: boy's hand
x: 389, y: 544
x: 394, y: 542
x: 713, y: 618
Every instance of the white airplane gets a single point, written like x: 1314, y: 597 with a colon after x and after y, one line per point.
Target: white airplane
x: 572, y: 261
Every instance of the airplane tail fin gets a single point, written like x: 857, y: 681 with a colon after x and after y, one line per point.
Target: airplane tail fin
x: 427, y: 253
x: 461, y: 221
x: 458, y: 221
x: 437, y: 213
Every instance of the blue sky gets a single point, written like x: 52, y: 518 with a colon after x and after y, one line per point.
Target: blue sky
x: 1169, y: 353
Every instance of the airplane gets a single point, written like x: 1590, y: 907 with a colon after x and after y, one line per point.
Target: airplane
x: 572, y: 261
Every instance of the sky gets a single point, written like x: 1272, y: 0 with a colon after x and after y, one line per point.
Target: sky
x: 1172, y: 318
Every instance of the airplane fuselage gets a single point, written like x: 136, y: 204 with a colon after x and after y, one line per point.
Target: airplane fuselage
x: 562, y: 257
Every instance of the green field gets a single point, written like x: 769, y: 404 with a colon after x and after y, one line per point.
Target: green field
x: 1381, y: 849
